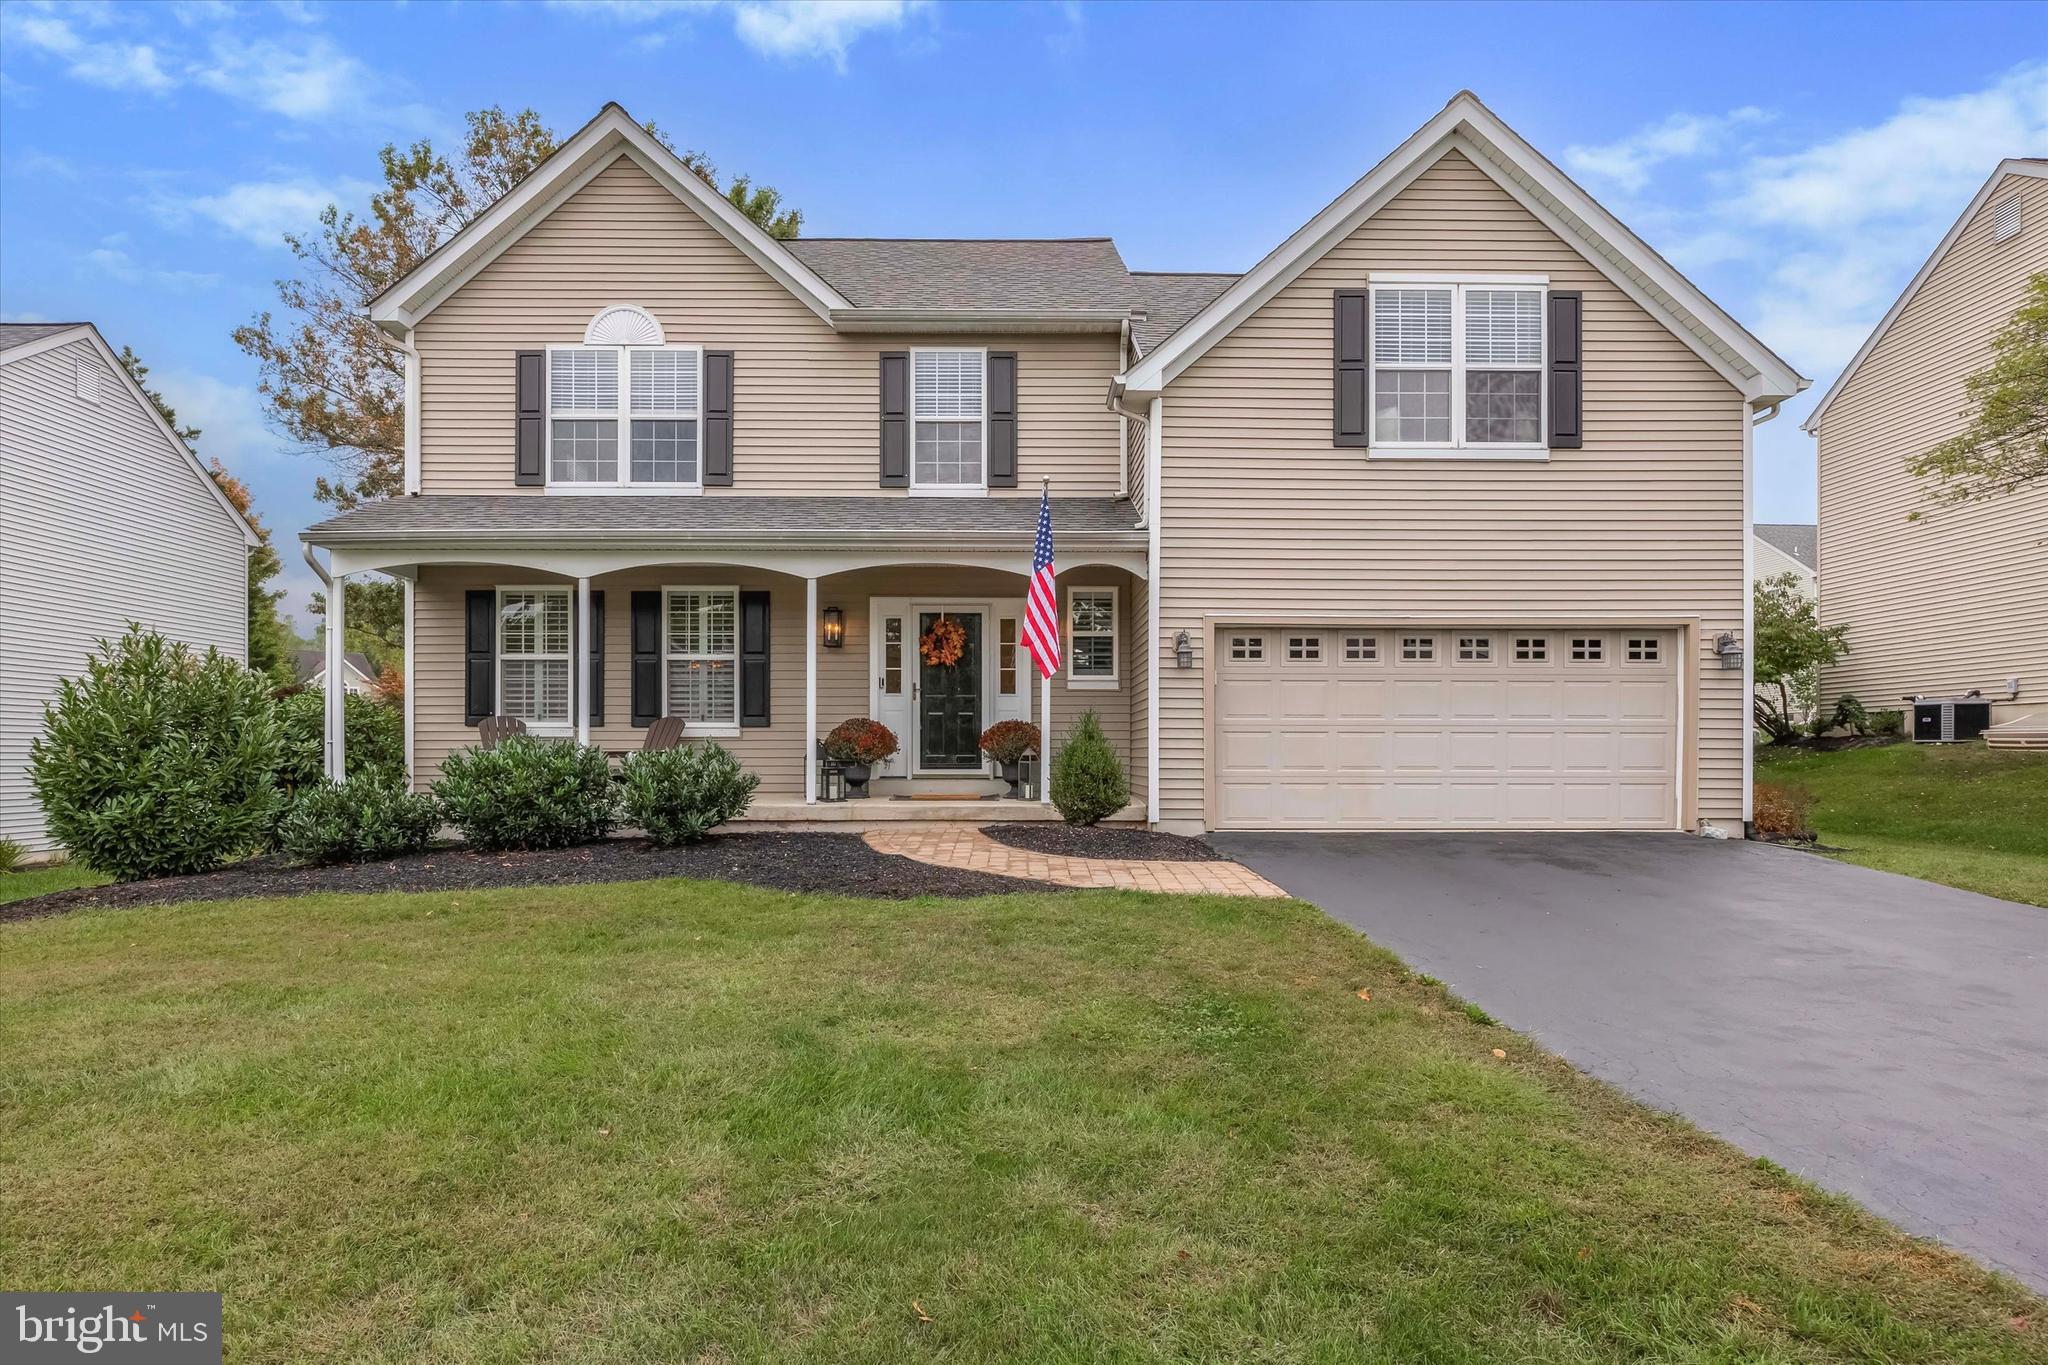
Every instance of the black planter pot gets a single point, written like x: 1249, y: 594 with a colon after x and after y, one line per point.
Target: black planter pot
x: 857, y: 781
x: 1010, y: 774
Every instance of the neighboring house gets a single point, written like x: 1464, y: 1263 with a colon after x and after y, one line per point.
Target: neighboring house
x: 1958, y: 599
x: 106, y: 517
x: 357, y: 675
x: 1437, y: 518
x: 1783, y: 548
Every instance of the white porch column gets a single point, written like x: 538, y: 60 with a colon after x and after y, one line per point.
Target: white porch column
x: 810, y: 691
x: 337, y: 714
x: 411, y: 782
x: 1044, y: 739
x: 580, y: 671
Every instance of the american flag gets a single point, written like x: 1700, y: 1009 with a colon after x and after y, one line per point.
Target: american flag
x: 1041, y: 605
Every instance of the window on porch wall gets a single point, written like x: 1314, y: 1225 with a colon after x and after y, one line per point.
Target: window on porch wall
x: 533, y: 655
x: 703, y: 655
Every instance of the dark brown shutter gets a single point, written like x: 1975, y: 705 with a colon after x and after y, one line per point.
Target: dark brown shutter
x: 895, y: 419
x: 530, y: 438
x: 479, y: 655
x: 646, y: 658
x: 718, y: 419
x: 1567, y: 373
x: 753, y: 659
x: 596, y: 675
x: 1002, y: 419
x: 1351, y: 341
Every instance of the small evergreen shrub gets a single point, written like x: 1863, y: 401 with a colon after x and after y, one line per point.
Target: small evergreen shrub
x: 374, y: 740
x: 1782, y: 812
x: 1890, y: 722
x: 346, y: 822
x: 158, y: 761
x: 528, y: 793
x: 1849, y: 714
x: 680, y: 795
x: 1088, y: 783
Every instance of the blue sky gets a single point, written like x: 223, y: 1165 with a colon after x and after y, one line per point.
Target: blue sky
x: 1797, y: 161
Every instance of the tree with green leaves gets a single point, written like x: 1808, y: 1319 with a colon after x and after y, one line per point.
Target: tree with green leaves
x: 332, y: 381
x: 374, y: 621
x: 270, y: 643
x: 1788, y: 648
x: 2005, y: 446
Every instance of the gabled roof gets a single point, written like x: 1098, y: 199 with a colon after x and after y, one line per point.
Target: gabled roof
x: 1082, y: 274
x: 2019, y: 165
x: 1799, y: 539
x: 1468, y: 126
x: 594, y: 146
x: 1168, y: 299
x: 20, y: 340
x: 313, y: 662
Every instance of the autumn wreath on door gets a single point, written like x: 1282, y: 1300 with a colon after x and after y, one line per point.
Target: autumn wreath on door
x: 943, y: 644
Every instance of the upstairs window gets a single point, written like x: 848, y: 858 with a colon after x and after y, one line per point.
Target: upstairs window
x: 657, y: 407
x: 1457, y: 367
x: 948, y: 409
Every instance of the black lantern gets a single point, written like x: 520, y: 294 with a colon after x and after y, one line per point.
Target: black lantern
x: 1183, y: 651
x: 835, y: 627
x: 1729, y: 649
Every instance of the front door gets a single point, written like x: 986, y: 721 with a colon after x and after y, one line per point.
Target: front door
x: 949, y: 697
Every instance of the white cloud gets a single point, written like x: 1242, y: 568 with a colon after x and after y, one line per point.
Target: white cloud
x: 263, y: 211
x: 112, y: 64
x: 229, y: 418
x: 1629, y: 162
x: 311, y: 81
x: 112, y: 259
x: 776, y: 28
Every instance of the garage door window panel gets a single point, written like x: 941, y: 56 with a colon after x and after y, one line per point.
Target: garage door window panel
x: 1458, y: 369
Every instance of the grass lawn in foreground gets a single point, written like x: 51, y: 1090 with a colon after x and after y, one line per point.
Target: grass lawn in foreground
x: 670, y: 1121
x: 41, y: 881
x: 1960, y: 814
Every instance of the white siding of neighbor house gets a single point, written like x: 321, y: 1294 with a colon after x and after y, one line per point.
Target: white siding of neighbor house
x: 1768, y: 561
x: 102, y: 521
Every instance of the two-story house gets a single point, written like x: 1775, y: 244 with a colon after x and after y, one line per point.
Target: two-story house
x: 1436, y: 518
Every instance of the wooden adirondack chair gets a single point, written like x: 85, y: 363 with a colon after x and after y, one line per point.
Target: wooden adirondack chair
x: 665, y: 733
x: 492, y: 731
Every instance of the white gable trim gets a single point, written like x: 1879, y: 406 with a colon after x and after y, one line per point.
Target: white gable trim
x: 87, y: 332
x: 1467, y: 126
x: 2005, y: 168
x: 592, y: 149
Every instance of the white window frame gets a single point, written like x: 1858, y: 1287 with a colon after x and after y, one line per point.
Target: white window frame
x: 948, y: 490
x: 624, y: 415
x: 1097, y: 682
x: 727, y: 730
x: 550, y: 729
x: 1458, y: 448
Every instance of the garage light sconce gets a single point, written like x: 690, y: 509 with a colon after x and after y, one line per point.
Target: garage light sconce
x: 1183, y: 651
x: 1730, y: 651
x: 835, y: 627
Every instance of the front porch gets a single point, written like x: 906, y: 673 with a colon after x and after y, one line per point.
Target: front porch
x: 765, y: 649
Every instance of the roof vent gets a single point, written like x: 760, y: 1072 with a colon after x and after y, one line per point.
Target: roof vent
x: 85, y: 379
x: 2005, y: 220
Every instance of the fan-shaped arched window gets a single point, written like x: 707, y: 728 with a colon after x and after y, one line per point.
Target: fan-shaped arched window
x: 623, y: 325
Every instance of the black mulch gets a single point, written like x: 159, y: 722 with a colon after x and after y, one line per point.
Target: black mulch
x: 832, y: 864
x: 1101, y: 841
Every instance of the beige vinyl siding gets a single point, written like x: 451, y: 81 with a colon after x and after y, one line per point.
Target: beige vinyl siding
x: 805, y: 397
x: 1265, y: 520
x: 1958, y: 599
x: 1134, y: 463
x: 1768, y: 561
x: 776, y: 750
x: 103, y: 521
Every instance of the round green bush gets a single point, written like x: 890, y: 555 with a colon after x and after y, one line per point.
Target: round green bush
x: 680, y: 795
x: 528, y: 793
x: 1088, y: 783
x: 158, y: 761
x: 374, y: 735
x: 362, y: 819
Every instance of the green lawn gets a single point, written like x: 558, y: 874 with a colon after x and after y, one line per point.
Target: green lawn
x: 38, y: 881
x: 1960, y: 814
x: 682, y: 1121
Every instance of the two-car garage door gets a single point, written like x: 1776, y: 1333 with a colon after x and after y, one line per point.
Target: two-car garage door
x: 1408, y: 727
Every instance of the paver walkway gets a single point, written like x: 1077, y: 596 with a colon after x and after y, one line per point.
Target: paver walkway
x: 965, y: 846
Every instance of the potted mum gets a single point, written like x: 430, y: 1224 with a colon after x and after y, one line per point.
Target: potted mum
x: 858, y: 745
x: 1007, y: 742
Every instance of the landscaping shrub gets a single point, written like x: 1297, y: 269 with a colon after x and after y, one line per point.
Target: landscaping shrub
x: 12, y: 855
x: 343, y: 822
x: 1088, y: 783
x: 158, y: 760
x: 680, y: 795
x: 860, y: 741
x: 1783, y: 812
x: 1849, y: 714
x: 528, y: 793
x: 1007, y: 741
x: 1890, y: 722
x: 374, y: 744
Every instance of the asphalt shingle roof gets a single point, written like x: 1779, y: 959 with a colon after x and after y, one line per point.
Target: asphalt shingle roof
x: 14, y: 334
x: 311, y: 661
x: 1169, y: 299
x: 1071, y: 275
x: 1797, y: 539
x: 484, y: 513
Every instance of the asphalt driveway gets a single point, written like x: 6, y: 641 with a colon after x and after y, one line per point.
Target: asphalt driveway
x: 1883, y: 1037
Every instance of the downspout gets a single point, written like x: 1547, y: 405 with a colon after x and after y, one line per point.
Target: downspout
x: 1154, y: 436
x: 1756, y: 419
x: 1123, y: 419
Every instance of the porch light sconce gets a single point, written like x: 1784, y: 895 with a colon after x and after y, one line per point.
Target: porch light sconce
x: 1183, y: 651
x: 835, y: 627
x: 1729, y: 650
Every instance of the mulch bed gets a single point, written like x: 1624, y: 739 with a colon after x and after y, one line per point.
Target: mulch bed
x: 831, y: 864
x: 1102, y: 841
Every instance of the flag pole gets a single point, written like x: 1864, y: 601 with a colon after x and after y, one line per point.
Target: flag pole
x: 1045, y: 691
